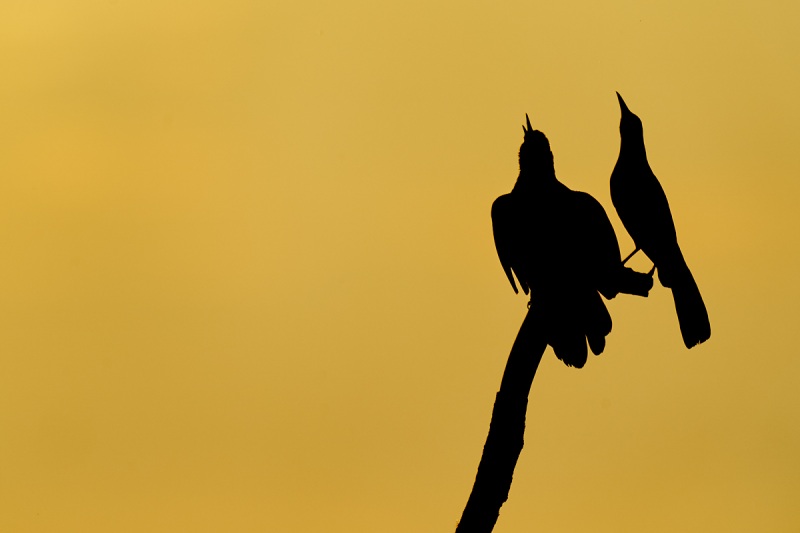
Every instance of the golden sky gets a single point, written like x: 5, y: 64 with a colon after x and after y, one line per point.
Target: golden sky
x: 248, y: 281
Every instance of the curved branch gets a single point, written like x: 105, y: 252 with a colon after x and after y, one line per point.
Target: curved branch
x: 506, y: 430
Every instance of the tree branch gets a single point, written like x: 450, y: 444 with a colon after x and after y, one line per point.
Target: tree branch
x: 506, y: 430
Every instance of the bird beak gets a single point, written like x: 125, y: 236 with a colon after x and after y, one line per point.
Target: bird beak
x: 529, y: 122
x: 622, y: 105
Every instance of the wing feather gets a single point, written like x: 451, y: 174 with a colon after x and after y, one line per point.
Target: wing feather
x: 504, y: 227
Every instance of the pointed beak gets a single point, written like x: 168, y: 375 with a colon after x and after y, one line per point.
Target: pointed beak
x: 622, y: 105
x: 528, y: 121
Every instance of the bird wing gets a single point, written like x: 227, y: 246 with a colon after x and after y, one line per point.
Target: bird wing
x: 643, y: 208
x: 602, y: 240
x: 504, y: 227
x: 598, y: 243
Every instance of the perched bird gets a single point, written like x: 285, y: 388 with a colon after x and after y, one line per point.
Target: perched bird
x: 643, y: 208
x: 562, y: 249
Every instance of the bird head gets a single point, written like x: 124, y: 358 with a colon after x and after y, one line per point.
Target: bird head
x: 629, y: 124
x: 535, y: 149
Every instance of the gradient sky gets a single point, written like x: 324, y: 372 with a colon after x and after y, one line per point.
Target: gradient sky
x: 248, y: 281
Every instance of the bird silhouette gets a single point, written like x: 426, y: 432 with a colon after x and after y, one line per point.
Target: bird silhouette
x: 561, y: 247
x: 642, y: 206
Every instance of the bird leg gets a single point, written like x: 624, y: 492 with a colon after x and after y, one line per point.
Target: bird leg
x: 630, y: 255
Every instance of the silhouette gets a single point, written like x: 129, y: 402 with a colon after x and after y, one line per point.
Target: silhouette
x: 507, y: 429
x: 561, y: 247
x: 643, y: 208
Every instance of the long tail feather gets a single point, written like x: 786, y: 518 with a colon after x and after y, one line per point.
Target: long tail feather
x: 691, y: 310
x: 674, y: 273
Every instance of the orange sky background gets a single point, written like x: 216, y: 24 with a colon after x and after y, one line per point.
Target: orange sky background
x: 248, y: 281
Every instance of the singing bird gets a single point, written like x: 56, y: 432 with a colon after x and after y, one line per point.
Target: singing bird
x: 643, y: 208
x: 561, y: 247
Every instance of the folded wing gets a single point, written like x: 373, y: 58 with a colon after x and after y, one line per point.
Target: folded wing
x: 506, y: 240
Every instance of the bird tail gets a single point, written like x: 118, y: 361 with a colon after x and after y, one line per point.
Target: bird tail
x: 598, y: 323
x: 689, y: 306
x: 569, y: 346
x: 564, y: 332
x: 573, y: 320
